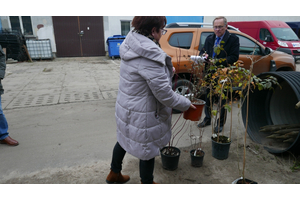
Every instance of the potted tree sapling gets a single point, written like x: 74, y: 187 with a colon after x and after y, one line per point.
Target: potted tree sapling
x: 196, y: 154
x: 220, y: 83
x: 252, y: 81
x: 196, y: 77
x: 170, y: 154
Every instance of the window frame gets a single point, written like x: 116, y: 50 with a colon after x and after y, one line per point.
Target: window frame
x: 203, y: 37
x: 126, y: 21
x: 256, y: 48
x: 265, y: 35
x: 21, y: 25
x: 183, y: 35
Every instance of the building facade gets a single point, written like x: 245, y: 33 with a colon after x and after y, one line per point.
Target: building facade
x: 86, y: 35
x: 70, y: 36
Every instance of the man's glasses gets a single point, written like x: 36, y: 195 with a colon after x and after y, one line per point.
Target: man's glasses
x: 218, y: 27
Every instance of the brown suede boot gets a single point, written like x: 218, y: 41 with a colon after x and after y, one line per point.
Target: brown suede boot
x: 116, y: 178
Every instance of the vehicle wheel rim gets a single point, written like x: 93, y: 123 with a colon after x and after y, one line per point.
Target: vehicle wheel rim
x: 183, y: 90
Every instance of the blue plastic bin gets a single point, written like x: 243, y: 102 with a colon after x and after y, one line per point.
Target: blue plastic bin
x: 114, y: 43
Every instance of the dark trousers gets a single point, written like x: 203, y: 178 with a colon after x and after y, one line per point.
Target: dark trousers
x: 146, y: 166
x: 207, y: 108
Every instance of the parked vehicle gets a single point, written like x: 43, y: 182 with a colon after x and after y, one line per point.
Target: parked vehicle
x: 295, y: 26
x: 272, y: 34
x: 181, y: 43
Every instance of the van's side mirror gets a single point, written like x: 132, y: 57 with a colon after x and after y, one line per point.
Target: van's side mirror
x: 268, y: 38
x: 267, y: 51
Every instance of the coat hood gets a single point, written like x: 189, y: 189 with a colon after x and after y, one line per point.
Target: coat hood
x: 136, y: 45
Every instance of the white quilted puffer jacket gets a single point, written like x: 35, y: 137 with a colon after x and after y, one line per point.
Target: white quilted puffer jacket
x: 145, y: 97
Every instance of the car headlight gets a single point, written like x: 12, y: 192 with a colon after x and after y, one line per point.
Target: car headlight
x: 283, y: 44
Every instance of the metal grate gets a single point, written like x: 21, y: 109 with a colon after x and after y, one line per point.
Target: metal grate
x: 39, y: 49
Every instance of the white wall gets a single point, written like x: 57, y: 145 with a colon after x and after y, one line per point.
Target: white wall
x: 45, y: 32
x: 112, y: 26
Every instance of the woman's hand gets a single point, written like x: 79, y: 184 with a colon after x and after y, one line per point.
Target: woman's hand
x: 193, y: 107
x: 174, y: 71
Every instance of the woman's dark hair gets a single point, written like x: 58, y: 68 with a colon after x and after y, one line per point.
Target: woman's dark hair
x: 146, y: 23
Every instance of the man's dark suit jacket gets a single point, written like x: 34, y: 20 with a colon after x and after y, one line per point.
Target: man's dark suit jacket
x: 231, y: 46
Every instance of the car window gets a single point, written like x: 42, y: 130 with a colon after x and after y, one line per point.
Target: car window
x: 247, y: 46
x: 181, y: 40
x: 203, y: 38
x: 285, y: 34
x: 264, y: 34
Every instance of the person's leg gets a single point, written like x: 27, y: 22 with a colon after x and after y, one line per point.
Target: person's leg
x: 117, y: 158
x: 146, y: 171
x: 222, y: 117
x: 3, y: 124
x: 115, y: 175
x: 207, y: 108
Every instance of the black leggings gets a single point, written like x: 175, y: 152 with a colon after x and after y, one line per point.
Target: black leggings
x: 146, y: 166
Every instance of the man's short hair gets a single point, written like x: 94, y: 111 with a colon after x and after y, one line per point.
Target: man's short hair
x: 221, y: 17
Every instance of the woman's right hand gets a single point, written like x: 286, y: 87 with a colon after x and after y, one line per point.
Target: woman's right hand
x: 193, y: 107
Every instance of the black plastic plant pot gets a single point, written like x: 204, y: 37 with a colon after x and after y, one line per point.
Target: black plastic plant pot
x: 240, y: 181
x: 196, y: 161
x: 220, y: 151
x: 170, y: 158
x: 274, y: 107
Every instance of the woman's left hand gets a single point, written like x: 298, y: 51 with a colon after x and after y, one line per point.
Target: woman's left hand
x: 174, y: 71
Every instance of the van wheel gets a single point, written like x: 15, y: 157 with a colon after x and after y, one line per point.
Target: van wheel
x: 182, y: 87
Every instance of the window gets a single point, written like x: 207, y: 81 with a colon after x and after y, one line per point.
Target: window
x: 22, y: 24
x: 27, y: 27
x: 247, y: 46
x: 181, y: 40
x: 285, y: 34
x: 125, y: 27
x: 15, y: 23
x: 265, y: 35
x: 203, y: 38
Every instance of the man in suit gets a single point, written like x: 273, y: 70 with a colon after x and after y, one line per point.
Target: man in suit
x: 230, y: 43
x: 4, y: 137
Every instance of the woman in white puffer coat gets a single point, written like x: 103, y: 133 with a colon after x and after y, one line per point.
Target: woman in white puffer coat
x: 145, y: 99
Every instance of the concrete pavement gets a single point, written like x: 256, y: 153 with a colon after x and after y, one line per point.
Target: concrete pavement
x: 62, y: 113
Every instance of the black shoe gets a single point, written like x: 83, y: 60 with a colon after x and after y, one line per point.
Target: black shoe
x: 220, y: 129
x: 204, y: 123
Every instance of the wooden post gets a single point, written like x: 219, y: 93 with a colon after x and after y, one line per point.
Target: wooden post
x: 27, y: 52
